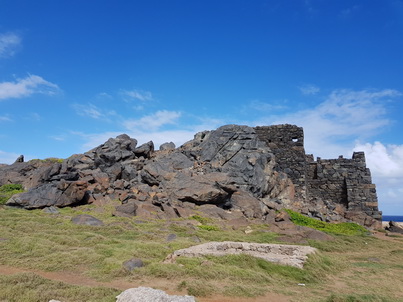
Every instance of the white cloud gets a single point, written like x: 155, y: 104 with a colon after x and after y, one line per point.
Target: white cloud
x: 59, y: 138
x: 309, y: 89
x: 93, y: 111
x: 25, y: 87
x: 153, y: 121
x: 344, y: 116
x: 138, y: 95
x: 34, y: 117
x: 152, y: 132
x: 7, y: 157
x: 9, y: 43
x: 158, y: 137
x: 88, y: 110
x: 386, y: 164
x: 384, y: 160
x: 5, y: 118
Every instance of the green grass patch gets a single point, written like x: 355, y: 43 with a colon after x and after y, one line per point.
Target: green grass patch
x: 8, y: 190
x: 343, y: 228
x: 209, y: 227
x: 30, y: 287
x: 201, y: 219
x: 48, y: 160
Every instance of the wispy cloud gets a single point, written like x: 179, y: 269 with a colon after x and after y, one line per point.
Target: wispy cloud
x: 25, y: 87
x: 153, y: 121
x: 93, y: 111
x: 265, y: 106
x: 150, y: 127
x: 88, y: 110
x: 9, y: 43
x: 7, y: 157
x: 386, y: 164
x: 137, y: 95
x: 309, y: 89
x: 33, y: 116
x: 344, y: 115
x: 5, y: 118
x: 158, y: 137
x: 59, y: 138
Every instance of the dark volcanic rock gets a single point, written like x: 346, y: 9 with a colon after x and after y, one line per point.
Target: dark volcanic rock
x: 20, y: 159
x: 394, y: 227
x: 132, y: 264
x: 145, y: 150
x: 167, y: 146
x: 61, y: 194
x: 127, y: 210
x: 86, y: 219
x: 235, y: 173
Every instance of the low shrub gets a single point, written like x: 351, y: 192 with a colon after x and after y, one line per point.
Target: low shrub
x: 343, y: 228
x: 209, y: 227
x: 8, y: 190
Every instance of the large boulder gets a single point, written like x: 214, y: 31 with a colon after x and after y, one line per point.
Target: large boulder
x: 60, y: 194
x: 394, y: 227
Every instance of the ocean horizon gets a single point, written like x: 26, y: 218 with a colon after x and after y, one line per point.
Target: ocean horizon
x: 395, y: 218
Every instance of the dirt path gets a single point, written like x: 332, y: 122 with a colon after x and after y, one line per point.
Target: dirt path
x: 121, y: 284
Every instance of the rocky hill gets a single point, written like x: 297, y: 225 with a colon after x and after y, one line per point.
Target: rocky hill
x: 234, y: 172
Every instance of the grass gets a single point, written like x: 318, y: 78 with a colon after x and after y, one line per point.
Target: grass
x: 33, y: 288
x: 8, y: 190
x: 343, y: 228
x: 48, y: 160
x: 34, y: 240
x: 357, y: 298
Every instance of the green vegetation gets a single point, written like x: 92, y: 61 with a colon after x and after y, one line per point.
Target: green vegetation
x: 209, y: 227
x: 205, y: 223
x: 202, y: 220
x: 35, y: 241
x: 31, y: 287
x: 8, y: 190
x: 343, y: 228
x: 48, y: 160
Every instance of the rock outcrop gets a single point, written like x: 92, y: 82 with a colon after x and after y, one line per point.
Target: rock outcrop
x: 292, y: 255
x: 232, y: 172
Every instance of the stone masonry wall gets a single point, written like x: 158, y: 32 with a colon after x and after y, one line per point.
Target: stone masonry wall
x: 341, y: 181
x: 344, y: 181
x: 287, y: 144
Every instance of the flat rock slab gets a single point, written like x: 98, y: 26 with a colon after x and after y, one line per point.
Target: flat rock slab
x: 293, y: 255
x: 143, y: 294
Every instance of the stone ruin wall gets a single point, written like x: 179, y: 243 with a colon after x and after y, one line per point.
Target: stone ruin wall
x: 287, y: 144
x: 344, y: 181
x: 341, y: 181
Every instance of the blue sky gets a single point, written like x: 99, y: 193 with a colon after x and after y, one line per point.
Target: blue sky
x: 74, y: 73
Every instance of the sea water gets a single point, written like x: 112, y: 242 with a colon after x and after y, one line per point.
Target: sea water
x: 392, y: 218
